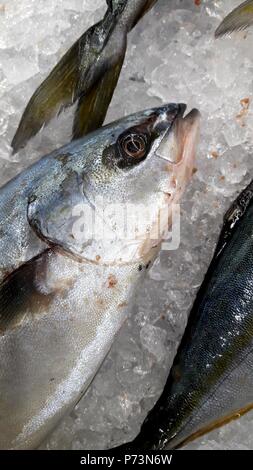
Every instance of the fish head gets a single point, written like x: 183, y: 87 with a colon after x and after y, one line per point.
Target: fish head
x: 138, y: 169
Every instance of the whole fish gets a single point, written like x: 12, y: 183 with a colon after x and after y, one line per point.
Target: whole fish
x: 88, y: 74
x: 238, y: 20
x: 66, y: 281
x: 211, y: 380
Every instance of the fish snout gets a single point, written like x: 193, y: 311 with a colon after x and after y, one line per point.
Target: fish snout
x: 179, y: 143
x: 187, y: 137
x: 165, y: 116
x: 178, y: 149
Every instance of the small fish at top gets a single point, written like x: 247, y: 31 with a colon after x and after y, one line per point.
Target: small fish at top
x: 87, y: 74
x: 238, y: 20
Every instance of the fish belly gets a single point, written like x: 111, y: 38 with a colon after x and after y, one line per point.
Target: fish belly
x: 60, y: 338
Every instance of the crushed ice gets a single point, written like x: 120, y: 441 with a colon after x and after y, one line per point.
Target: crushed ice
x: 171, y: 57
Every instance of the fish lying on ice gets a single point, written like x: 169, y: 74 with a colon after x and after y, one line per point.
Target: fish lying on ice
x: 239, y: 19
x: 65, y: 287
x: 211, y: 380
x: 88, y: 74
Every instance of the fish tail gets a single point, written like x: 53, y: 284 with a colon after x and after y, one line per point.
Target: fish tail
x: 92, y: 107
x: 80, y: 76
x: 65, y: 84
x: 147, y: 6
x: 51, y: 97
x: 238, y: 20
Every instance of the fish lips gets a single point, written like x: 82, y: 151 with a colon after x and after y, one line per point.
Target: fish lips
x: 180, y: 139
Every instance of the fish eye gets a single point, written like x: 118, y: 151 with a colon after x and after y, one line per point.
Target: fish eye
x: 134, y: 145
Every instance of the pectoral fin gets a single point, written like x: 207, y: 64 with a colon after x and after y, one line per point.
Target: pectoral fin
x: 92, y: 107
x: 239, y: 19
x: 19, y: 295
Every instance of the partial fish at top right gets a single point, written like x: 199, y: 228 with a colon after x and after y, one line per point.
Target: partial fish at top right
x: 238, y: 20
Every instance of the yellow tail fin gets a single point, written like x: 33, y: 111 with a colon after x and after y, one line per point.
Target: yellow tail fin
x: 239, y: 19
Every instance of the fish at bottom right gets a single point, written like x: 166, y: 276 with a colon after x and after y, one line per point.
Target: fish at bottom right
x: 211, y: 380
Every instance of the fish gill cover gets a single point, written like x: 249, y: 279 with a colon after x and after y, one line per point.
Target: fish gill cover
x: 182, y: 63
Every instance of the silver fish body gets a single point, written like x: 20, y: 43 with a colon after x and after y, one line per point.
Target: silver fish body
x: 66, y: 288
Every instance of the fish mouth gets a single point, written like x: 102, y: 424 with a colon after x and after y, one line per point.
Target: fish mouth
x: 179, y: 142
